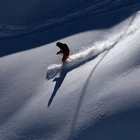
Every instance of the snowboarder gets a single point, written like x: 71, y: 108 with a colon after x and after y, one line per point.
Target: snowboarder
x: 64, y: 50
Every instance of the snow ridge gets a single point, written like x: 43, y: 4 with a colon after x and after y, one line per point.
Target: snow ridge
x: 85, y: 56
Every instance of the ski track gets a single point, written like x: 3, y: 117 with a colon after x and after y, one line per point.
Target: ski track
x: 75, y: 61
x: 85, y: 56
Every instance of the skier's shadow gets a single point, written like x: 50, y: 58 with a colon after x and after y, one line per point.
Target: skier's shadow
x: 59, y: 80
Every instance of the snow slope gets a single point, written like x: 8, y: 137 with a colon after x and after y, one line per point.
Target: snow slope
x: 95, y: 96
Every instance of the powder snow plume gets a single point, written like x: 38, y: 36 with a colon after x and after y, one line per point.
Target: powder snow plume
x: 97, y: 48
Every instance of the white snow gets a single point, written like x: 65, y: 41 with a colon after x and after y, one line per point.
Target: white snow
x: 96, y: 95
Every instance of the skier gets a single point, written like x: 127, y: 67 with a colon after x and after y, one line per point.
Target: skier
x: 64, y: 50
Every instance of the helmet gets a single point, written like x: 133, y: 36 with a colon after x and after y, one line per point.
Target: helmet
x: 58, y: 43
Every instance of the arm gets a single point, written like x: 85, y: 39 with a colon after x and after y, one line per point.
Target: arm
x: 59, y: 52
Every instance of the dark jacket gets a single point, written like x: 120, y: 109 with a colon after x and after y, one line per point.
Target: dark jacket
x: 63, y: 48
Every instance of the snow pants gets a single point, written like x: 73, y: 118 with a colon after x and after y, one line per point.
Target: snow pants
x: 65, y: 56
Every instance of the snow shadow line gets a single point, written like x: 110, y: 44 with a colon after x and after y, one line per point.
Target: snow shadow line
x: 59, y: 80
x: 78, y: 108
x: 65, y: 69
x: 77, y: 61
x: 72, y: 132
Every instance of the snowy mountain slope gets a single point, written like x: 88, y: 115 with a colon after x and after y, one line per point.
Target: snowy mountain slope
x: 86, y: 102
x: 32, y: 24
x: 115, y: 87
x: 96, y: 95
x: 70, y: 29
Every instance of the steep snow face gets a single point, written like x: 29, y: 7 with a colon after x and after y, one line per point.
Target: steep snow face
x: 96, y: 96
x: 113, y: 89
x: 96, y: 93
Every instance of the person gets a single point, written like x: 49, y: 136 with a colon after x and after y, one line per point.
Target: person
x: 64, y: 49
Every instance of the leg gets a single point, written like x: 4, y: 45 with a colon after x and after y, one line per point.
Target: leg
x: 64, y: 58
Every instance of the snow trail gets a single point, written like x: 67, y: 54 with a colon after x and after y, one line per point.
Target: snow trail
x: 97, y: 48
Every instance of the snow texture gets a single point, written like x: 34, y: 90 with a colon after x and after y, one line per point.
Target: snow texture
x: 94, y: 95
